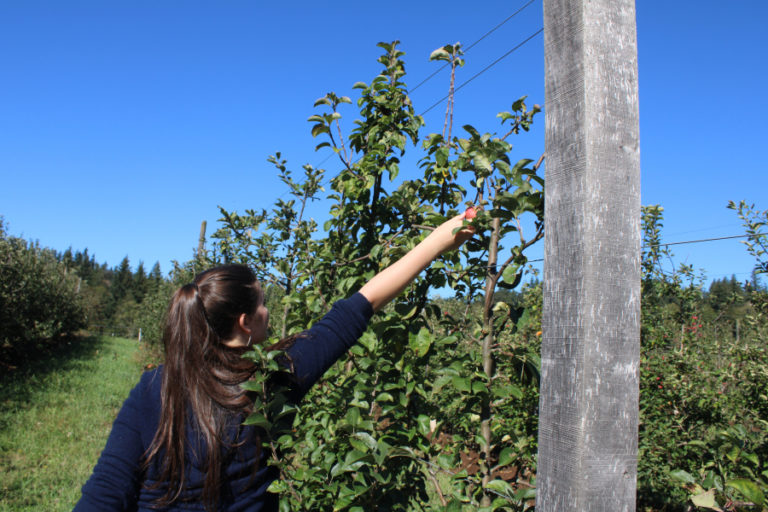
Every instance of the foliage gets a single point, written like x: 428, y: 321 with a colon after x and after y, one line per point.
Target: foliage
x: 669, y: 298
x: 150, y: 313
x: 39, y: 300
x: 412, y: 418
x: 756, y: 225
x: 703, y: 404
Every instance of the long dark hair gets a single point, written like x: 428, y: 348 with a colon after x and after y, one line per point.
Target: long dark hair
x: 202, y: 375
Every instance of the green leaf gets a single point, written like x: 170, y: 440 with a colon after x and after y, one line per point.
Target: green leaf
x: 358, y: 445
x: 482, y: 163
x: 258, y: 420
x: 506, y: 456
x: 500, y: 486
x: 423, y: 423
x: 251, y: 385
x: 441, y: 156
x: 508, y: 390
x: 367, y: 439
x: 748, y: 489
x: 278, y: 486
x: 354, y: 456
x: 462, y: 384
x: 510, y: 273
x: 525, y: 493
x: 318, y: 129
x: 752, y: 458
x: 682, y: 476
x: 478, y: 387
x: 342, y: 503
x: 420, y: 342
x: 353, y: 416
x: 440, y: 54
x: 705, y: 500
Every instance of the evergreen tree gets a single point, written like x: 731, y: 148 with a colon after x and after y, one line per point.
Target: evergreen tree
x: 123, y: 280
x: 155, y: 277
x: 140, y: 283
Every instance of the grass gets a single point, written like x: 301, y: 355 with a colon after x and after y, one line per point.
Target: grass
x: 55, y: 415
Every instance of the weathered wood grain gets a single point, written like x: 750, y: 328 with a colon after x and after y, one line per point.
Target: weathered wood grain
x: 588, y: 412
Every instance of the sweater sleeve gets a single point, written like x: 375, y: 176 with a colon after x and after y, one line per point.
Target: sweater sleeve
x: 326, y: 341
x: 115, y: 482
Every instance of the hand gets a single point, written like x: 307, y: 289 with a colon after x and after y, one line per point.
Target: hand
x: 445, y: 236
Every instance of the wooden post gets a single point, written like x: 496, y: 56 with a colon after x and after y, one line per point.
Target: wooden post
x: 201, y: 242
x: 588, y: 411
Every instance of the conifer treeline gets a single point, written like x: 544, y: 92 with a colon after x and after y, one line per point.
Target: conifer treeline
x: 110, y: 294
x: 114, y: 298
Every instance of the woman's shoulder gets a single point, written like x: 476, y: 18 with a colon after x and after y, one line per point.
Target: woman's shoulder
x: 149, y: 385
x: 152, y: 376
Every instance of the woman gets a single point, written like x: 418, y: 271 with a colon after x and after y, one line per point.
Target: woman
x: 178, y: 442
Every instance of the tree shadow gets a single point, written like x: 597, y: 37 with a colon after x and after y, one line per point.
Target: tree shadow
x: 22, y: 370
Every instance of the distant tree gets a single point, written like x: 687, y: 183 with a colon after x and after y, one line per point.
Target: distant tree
x: 119, y: 281
x: 67, y: 259
x: 123, y: 280
x: 155, y: 275
x: 140, y: 283
x: 85, y: 265
x: 725, y: 292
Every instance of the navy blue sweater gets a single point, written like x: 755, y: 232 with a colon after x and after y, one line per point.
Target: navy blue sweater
x: 117, y: 482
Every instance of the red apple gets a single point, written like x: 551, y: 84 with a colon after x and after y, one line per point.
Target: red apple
x: 470, y: 213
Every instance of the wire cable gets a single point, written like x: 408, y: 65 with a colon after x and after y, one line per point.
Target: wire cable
x: 489, y: 66
x: 690, y: 242
x: 473, y: 44
x: 709, y: 239
x: 477, y: 74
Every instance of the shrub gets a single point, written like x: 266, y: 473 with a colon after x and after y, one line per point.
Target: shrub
x: 39, y: 299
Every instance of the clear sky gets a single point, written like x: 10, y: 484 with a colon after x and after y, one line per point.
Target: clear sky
x: 126, y: 123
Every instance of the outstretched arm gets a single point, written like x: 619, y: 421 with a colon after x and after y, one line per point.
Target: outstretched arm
x: 387, y: 284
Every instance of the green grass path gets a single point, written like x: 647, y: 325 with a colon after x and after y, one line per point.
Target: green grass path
x: 55, y: 416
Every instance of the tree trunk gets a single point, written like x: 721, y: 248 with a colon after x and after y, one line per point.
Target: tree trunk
x: 489, y: 367
x: 588, y: 410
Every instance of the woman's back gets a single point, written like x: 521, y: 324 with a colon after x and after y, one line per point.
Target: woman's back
x: 119, y: 484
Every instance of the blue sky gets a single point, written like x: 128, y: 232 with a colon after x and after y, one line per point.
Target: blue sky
x: 126, y: 123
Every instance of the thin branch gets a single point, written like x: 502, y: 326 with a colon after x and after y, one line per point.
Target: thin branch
x: 341, y: 138
x: 539, y: 235
x: 538, y: 164
x: 285, y: 478
x: 437, y: 488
